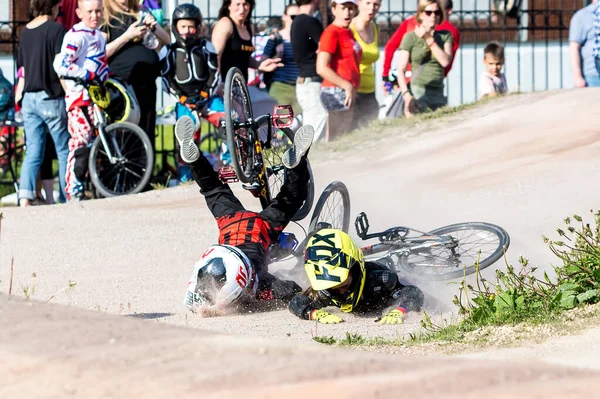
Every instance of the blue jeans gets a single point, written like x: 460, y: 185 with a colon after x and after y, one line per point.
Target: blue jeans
x: 41, y: 114
x: 592, y: 81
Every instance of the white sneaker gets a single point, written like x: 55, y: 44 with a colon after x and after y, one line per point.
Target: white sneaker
x: 302, y: 142
x: 184, y: 131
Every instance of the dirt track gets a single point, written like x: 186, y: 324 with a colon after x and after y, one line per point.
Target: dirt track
x: 523, y: 162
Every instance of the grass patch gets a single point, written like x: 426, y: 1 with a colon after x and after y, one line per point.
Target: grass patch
x: 522, y: 296
x: 520, y: 304
x: 354, y: 339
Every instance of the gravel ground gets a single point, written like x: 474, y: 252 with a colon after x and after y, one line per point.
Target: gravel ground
x: 520, y: 162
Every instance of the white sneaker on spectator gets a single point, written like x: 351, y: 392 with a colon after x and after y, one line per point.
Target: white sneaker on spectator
x: 302, y: 142
x: 184, y: 131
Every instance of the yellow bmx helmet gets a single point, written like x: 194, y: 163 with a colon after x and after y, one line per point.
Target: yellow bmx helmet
x: 124, y: 106
x: 331, y: 256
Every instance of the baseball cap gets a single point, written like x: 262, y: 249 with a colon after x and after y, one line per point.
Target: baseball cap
x: 355, y: 2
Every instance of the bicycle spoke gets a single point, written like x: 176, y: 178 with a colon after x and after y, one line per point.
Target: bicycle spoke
x: 472, y: 245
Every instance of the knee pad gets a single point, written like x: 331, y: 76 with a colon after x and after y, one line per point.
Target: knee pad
x: 82, y: 156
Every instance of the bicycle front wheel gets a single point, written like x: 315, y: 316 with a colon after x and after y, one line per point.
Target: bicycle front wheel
x: 134, y: 160
x: 281, y: 140
x: 474, y: 242
x: 238, y: 109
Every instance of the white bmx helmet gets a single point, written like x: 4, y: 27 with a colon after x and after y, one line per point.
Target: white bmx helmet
x: 124, y: 106
x: 220, y: 277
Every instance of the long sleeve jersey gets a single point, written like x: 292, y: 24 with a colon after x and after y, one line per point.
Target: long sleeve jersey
x: 83, y: 53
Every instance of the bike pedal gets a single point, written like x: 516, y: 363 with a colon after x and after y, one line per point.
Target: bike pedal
x: 227, y: 175
x: 283, y: 116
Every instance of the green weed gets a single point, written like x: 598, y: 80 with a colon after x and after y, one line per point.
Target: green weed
x: 519, y: 296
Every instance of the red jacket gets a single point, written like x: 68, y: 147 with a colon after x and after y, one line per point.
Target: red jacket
x: 67, y: 17
x: 407, y: 26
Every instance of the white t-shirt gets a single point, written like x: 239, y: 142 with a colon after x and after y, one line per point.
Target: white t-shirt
x: 489, y: 83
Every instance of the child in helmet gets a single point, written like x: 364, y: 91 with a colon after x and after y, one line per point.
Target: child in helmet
x: 339, y: 276
x: 237, y: 267
x: 191, y: 68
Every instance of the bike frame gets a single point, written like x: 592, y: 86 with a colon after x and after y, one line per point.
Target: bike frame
x: 251, y: 126
x: 394, y: 241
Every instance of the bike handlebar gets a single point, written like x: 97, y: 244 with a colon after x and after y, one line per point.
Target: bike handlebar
x: 83, y: 82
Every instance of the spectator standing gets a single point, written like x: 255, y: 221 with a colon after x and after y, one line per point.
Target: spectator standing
x: 305, y: 34
x: 155, y: 7
x: 366, y: 34
x: 283, y: 84
x: 7, y: 98
x: 67, y: 15
x: 232, y: 38
x: 429, y: 51
x: 43, y: 103
x: 129, y: 59
x: 338, y: 64
x: 492, y: 81
x: 408, y: 26
x: 582, y: 39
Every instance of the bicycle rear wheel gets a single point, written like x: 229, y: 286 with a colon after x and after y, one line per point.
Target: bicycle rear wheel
x: 238, y: 109
x: 449, y: 262
x: 332, y: 209
x: 281, y: 140
x: 131, y: 172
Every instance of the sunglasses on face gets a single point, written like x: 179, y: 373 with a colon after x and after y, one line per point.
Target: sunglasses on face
x: 292, y: 16
x: 437, y: 13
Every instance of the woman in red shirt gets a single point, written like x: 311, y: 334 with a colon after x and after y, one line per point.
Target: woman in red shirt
x: 338, y: 64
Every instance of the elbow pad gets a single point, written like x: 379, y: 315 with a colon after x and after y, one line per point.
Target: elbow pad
x: 301, y: 306
x: 409, y: 297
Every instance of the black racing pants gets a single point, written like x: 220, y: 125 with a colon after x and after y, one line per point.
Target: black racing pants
x: 221, y: 201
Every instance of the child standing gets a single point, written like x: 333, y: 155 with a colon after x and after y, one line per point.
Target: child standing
x: 492, y: 81
x: 82, y: 56
x: 190, y: 69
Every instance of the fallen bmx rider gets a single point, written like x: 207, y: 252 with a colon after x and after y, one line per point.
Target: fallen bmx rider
x: 339, y: 276
x: 237, y: 267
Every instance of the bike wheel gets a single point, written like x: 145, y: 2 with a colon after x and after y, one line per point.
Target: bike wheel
x: 281, y: 140
x: 445, y: 263
x: 333, y: 208
x: 238, y: 109
x: 131, y: 172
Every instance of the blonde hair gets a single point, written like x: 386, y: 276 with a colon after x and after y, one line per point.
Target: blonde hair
x: 114, y: 11
x: 423, y: 4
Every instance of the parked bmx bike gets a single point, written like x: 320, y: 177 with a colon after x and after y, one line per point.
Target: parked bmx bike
x: 120, y: 158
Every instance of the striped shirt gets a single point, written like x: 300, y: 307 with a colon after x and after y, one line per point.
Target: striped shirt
x: 289, y: 71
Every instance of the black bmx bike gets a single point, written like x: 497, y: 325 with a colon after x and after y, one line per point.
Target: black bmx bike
x: 257, y: 145
x: 444, y: 253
